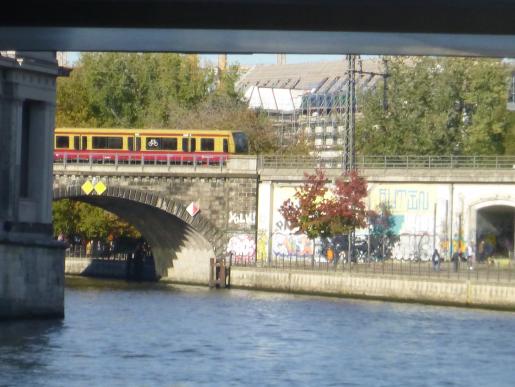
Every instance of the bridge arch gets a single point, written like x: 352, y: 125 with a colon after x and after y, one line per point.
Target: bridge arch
x: 494, y: 219
x: 181, y: 244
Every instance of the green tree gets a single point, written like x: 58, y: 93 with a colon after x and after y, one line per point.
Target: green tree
x: 437, y: 106
x: 65, y: 217
x: 89, y: 222
x: 382, y: 233
x: 157, y: 91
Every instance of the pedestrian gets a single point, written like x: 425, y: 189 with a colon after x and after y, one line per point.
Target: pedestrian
x: 436, y: 260
x: 470, y: 255
x: 88, y: 249
x: 481, y: 250
x: 455, y: 259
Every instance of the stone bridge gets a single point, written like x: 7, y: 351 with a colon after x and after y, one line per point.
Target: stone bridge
x: 436, y: 204
x: 155, y: 201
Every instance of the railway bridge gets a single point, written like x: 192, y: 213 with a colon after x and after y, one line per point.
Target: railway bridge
x: 437, y: 202
x: 188, y: 214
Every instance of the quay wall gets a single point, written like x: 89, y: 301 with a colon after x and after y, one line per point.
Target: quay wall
x: 117, y: 269
x: 441, y: 291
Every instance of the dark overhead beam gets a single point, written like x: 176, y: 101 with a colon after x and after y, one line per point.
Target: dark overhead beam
x: 405, y: 27
x: 407, y: 16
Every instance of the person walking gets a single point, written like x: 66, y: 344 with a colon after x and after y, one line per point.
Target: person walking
x: 436, y: 260
x: 470, y: 255
x: 88, y: 249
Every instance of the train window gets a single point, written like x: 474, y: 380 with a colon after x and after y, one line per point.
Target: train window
x: 226, y: 146
x: 184, y: 144
x: 130, y: 143
x: 76, y: 142
x: 207, y: 144
x: 169, y: 143
x: 107, y: 142
x: 161, y: 143
x: 153, y: 143
x: 241, y: 142
x: 62, y: 142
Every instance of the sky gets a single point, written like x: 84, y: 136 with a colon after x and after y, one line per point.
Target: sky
x: 250, y: 59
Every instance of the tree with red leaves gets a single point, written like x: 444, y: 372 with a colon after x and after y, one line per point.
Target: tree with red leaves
x: 320, y: 212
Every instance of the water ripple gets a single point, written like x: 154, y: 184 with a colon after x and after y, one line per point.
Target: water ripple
x: 118, y: 334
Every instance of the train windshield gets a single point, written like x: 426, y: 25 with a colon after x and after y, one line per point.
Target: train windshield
x: 241, y: 142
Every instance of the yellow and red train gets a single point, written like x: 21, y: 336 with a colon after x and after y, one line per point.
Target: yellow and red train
x: 152, y: 144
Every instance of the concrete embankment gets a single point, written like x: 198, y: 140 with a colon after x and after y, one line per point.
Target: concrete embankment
x: 104, y: 268
x: 435, y: 290
x: 442, y: 291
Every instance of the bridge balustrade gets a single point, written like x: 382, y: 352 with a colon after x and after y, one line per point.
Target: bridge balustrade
x: 391, y: 162
x: 294, y: 162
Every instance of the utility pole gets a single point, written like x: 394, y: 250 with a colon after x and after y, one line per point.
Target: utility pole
x: 349, y: 152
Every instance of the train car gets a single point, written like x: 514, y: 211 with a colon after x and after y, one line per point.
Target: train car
x: 148, y: 145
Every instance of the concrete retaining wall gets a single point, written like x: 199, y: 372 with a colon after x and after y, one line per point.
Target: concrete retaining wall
x: 31, y: 280
x: 104, y: 268
x: 395, y: 288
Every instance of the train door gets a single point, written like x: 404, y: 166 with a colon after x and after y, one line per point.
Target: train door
x: 189, y: 144
x: 84, y: 143
x: 76, y: 142
x: 226, y: 145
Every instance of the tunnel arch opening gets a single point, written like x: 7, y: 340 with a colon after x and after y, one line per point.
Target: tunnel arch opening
x: 181, y: 244
x: 492, y: 227
x: 495, y: 230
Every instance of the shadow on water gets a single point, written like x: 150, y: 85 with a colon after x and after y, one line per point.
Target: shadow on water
x: 99, y: 284
x: 23, y: 344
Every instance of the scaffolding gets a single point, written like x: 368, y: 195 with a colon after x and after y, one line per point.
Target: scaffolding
x: 320, y: 114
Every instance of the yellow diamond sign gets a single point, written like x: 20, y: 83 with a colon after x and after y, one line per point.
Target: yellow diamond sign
x: 87, y: 187
x: 100, y: 188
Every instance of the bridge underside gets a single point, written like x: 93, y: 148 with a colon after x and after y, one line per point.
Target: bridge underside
x: 181, y: 254
x: 431, y: 27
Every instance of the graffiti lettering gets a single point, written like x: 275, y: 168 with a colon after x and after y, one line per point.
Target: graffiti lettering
x: 289, y: 244
x: 243, y: 248
x: 240, y: 218
x: 405, y: 199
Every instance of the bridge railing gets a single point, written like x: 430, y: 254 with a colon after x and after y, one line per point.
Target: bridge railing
x: 390, y: 162
x: 291, y: 162
x: 116, y: 159
x: 79, y: 251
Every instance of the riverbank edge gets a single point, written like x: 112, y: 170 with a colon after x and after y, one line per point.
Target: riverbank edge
x: 394, y: 288
x: 430, y: 291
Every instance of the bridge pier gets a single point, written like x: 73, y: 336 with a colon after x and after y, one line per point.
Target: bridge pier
x: 31, y: 262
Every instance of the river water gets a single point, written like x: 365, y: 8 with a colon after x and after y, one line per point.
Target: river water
x: 119, y: 334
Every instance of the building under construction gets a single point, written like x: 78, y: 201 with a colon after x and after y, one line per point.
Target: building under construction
x: 312, y: 102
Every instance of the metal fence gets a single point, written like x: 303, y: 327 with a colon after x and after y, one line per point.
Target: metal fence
x: 485, y: 271
x: 78, y: 251
x: 293, y: 162
x: 386, y: 162
x: 64, y: 158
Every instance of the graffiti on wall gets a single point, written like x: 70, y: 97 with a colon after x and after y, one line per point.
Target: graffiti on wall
x: 242, y: 247
x: 404, y: 199
x: 248, y: 219
x: 414, y: 247
x: 298, y: 245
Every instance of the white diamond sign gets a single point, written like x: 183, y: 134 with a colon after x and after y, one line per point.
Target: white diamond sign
x: 193, y: 209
